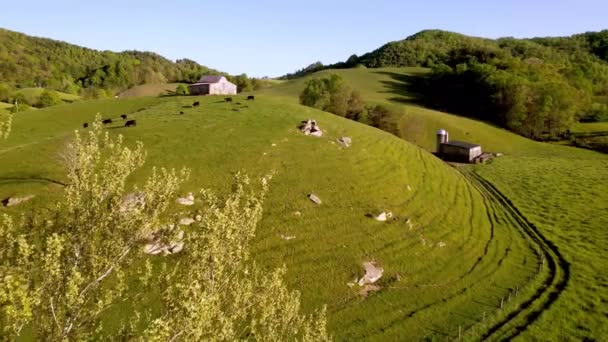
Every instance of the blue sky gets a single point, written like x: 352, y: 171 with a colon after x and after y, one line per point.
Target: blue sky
x: 271, y: 37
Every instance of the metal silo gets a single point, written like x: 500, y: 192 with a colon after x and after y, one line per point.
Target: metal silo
x: 442, y: 137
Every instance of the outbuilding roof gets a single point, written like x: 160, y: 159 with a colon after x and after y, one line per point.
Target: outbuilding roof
x: 210, y: 79
x: 460, y: 144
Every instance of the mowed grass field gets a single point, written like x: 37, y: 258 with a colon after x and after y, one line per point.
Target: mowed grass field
x: 452, y: 256
x: 562, y: 191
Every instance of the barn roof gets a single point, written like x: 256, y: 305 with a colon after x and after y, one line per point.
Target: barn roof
x: 460, y: 144
x: 210, y: 79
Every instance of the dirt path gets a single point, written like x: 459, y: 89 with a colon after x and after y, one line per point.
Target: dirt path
x: 527, y: 312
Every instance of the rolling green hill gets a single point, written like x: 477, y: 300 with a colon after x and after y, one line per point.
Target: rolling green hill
x: 32, y: 95
x: 149, y: 90
x: 561, y: 191
x: 452, y: 254
x: 497, y: 251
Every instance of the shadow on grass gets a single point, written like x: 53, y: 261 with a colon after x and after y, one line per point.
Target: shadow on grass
x: 408, y: 88
x: 31, y: 179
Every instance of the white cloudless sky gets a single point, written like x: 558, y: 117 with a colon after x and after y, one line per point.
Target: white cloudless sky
x: 271, y: 37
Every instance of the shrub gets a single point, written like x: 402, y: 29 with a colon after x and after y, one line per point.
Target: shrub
x: 182, y: 89
x: 48, y: 98
x: 333, y: 95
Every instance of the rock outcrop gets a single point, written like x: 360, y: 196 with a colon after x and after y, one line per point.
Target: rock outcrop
x: 156, y: 246
x: 188, y: 200
x: 372, y: 273
x: 310, y: 127
x: 12, y: 201
x: 383, y: 216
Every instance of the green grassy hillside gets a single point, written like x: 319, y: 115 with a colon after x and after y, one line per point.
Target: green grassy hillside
x: 5, y: 108
x: 149, y: 90
x: 561, y: 190
x: 451, y: 256
x: 33, y: 94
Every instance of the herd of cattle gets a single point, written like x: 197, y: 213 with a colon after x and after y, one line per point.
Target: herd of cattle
x: 133, y: 123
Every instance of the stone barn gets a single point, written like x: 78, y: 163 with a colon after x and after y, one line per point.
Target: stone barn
x: 456, y: 151
x: 213, y: 85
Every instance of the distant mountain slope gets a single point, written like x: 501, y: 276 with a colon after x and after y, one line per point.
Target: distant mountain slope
x: 535, y: 87
x: 27, y: 61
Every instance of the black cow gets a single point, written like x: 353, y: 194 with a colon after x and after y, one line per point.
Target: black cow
x: 196, y: 104
x: 181, y: 112
x: 107, y: 121
x: 85, y: 125
x: 124, y: 116
x: 131, y: 123
x: 228, y: 99
x: 250, y: 98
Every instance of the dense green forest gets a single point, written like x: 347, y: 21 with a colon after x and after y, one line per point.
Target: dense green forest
x: 27, y: 61
x: 536, y: 87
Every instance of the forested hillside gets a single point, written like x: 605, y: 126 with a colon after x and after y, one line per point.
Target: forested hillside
x: 536, y: 87
x: 27, y: 61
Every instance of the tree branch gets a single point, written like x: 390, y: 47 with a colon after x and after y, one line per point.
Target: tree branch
x: 105, y: 274
x: 54, y: 316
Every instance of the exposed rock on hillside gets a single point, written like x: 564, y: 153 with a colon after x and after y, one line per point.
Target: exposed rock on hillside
x: 383, y: 216
x: 372, y: 273
x: 156, y: 245
x: 188, y: 200
x: 310, y: 127
x: 344, y: 141
x: 314, y: 198
x: 12, y: 201
x: 132, y: 201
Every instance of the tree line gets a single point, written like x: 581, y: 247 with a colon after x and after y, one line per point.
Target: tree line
x: 332, y: 94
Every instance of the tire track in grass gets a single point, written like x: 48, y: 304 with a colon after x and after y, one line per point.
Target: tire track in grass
x: 496, y: 213
x: 553, y: 286
x: 455, y: 293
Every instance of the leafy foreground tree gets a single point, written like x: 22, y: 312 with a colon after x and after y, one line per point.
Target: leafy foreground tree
x: 5, y: 126
x: 63, y: 272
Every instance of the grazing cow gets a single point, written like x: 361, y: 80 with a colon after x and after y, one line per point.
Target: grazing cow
x: 107, y: 121
x: 131, y: 123
x: 181, y: 112
x: 250, y: 98
x: 124, y: 116
x: 196, y: 104
x: 85, y: 125
x: 228, y: 99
